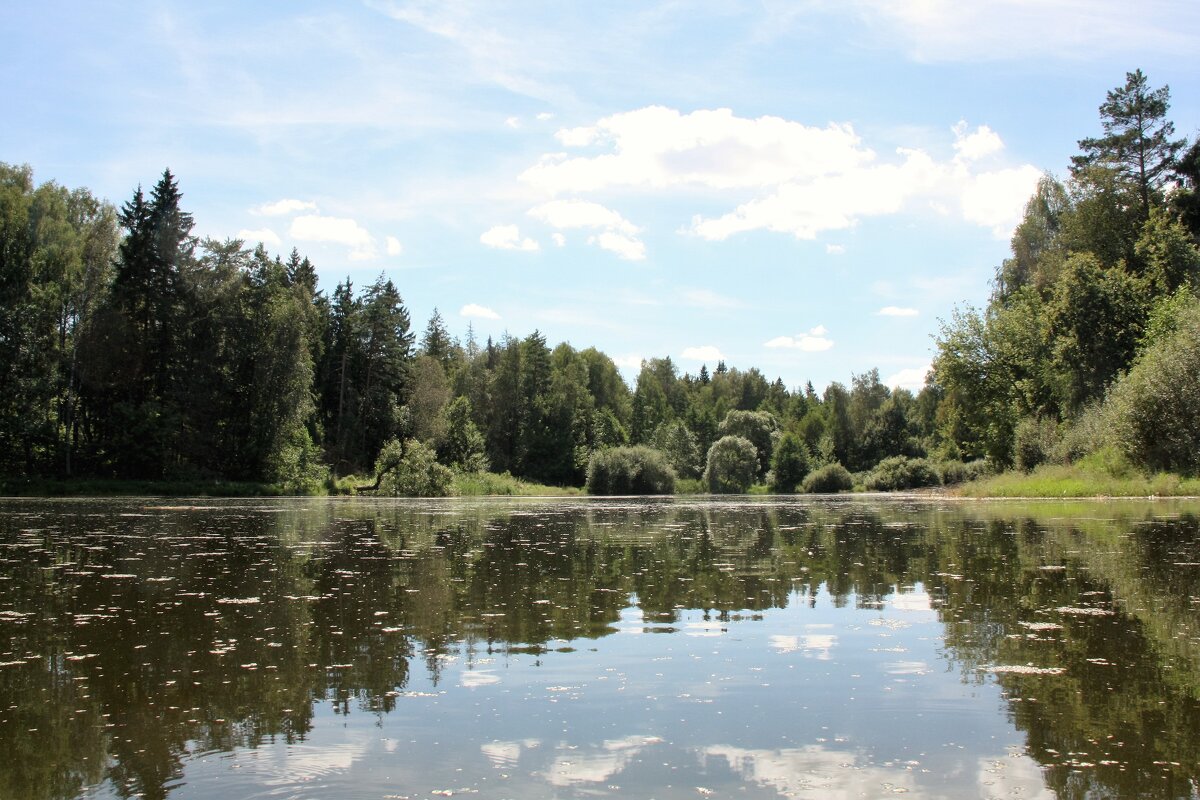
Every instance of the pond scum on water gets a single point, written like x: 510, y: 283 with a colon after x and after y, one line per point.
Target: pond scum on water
x: 748, y: 647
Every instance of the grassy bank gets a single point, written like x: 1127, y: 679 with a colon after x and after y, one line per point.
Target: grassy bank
x: 490, y: 484
x: 111, y: 487
x: 1099, y: 475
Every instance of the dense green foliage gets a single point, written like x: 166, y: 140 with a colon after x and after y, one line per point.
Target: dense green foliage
x: 789, y: 464
x: 732, y: 465
x: 630, y: 470
x: 901, y: 472
x: 130, y: 349
x: 1154, y: 410
x: 829, y: 479
x: 411, y: 470
x: 1102, y: 268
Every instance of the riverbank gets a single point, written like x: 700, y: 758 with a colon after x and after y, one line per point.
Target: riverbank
x: 1084, y: 479
x: 463, y: 485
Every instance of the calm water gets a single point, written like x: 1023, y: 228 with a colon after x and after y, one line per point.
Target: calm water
x: 534, y: 649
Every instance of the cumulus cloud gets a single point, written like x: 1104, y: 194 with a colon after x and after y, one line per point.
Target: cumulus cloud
x: 335, y: 230
x: 507, y: 237
x: 815, y: 341
x: 657, y: 147
x: 791, y: 178
x: 513, y: 122
x: 544, y: 115
x: 973, y: 145
x: 394, y: 248
x: 897, y: 311
x: 283, y: 207
x: 475, y: 311
x: 704, y: 353
x: 630, y: 361
x: 626, y: 247
x: 581, y: 214
x: 912, y: 378
x: 618, y: 235
x: 835, y: 249
x: 991, y: 198
x: 807, y: 208
x: 558, y: 239
x: 264, y: 235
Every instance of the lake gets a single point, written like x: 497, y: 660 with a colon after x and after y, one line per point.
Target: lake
x: 678, y: 648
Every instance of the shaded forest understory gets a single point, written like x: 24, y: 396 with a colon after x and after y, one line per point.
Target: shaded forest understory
x: 131, y: 350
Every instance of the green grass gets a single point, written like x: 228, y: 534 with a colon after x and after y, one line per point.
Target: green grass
x: 111, y: 487
x: 1101, y: 474
x: 689, y: 486
x: 490, y: 484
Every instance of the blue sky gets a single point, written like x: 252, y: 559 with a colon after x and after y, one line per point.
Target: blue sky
x: 806, y: 187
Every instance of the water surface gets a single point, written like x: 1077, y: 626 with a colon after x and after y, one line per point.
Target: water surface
x: 581, y: 648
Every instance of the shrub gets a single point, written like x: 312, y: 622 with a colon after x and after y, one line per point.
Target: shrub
x: 411, y: 471
x: 1087, y: 433
x: 1034, y: 441
x: 953, y: 472
x: 829, y: 479
x: 789, y: 464
x: 629, y: 470
x: 1155, y: 407
x: 901, y: 472
x: 732, y: 465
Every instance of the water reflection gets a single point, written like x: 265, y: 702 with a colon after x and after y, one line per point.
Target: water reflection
x: 307, y: 648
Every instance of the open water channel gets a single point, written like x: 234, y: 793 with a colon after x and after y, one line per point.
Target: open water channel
x: 745, y: 648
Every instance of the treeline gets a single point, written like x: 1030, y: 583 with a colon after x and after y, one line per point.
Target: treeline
x: 130, y: 349
x: 1091, y: 340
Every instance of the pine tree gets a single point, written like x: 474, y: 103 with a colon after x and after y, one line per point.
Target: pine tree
x: 1137, y: 140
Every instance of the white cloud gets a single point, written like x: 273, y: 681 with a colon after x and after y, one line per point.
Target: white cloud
x: 897, y: 311
x: 704, y: 353
x: 394, y: 248
x: 706, y: 298
x: 566, y: 214
x: 544, y: 116
x: 815, y: 341
x: 283, y: 207
x: 474, y: 311
x: 805, y: 209
x: 625, y: 247
x: 912, y: 379
x: 264, y: 235
x: 974, y: 145
x: 618, y: 235
x: 558, y: 239
x: 997, y: 199
x: 576, y: 137
x: 835, y: 249
x: 507, y: 237
x: 336, y: 230
x: 657, y: 147
x: 513, y: 122
x: 630, y: 361
x: 790, y: 177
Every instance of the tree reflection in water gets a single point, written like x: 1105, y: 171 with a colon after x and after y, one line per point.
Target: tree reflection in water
x: 140, y: 636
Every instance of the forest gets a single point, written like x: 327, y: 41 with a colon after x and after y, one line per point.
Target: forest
x: 131, y: 350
